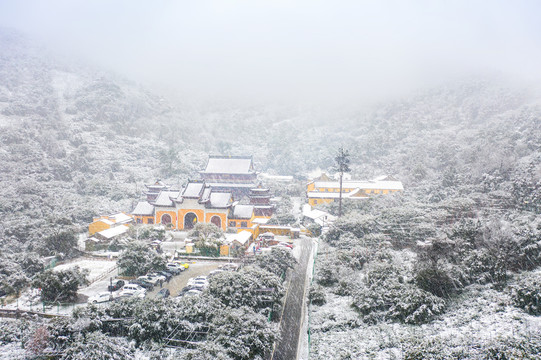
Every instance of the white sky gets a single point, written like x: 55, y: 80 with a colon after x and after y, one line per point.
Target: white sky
x: 290, y: 49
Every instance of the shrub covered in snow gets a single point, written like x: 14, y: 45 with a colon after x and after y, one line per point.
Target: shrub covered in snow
x: 277, y: 261
x: 521, y: 346
x: 97, y: 345
x: 527, y: 294
x: 317, y: 295
x: 60, y: 285
x: 392, y: 300
x: 256, y: 288
x: 437, y: 281
x: 138, y: 259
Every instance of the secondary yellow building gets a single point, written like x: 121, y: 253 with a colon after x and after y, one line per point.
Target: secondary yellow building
x: 323, y: 191
x: 108, y: 221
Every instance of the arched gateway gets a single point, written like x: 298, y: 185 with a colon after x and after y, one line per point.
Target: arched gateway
x: 190, y: 219
x: 216, y: 221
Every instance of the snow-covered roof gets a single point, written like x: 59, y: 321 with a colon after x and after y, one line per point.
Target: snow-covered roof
x: 371, y: 185
x: 206, y: 194
x: 105, y: 221
x: 261, y: 221
x: 143, y: 208
x: 330, y: 195
x: 259, y: 190
x: 193, y: 190
x: 242, y: 237
x: 318, y: 216
x: 121, y: 218
x: 231, y: 185
x: 158, y: 185
x: 242, y: 211
x: 220, y: 200
x: 283, y: 178
x: 114, y: 231
x: 165, y: 196
x: 229, y: 165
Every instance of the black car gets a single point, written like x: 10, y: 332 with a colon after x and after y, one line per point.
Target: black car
x: 184, y: 290
x: 163, y: 293
x: 143, y: 284
x: 167, y: 275
x: 116, y: 285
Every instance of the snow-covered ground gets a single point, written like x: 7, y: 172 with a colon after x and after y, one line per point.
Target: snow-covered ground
x: 99, y: 269
x: 96, y: 267
x: 479, y: 315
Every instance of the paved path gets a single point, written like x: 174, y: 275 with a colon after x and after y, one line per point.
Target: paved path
x: 290, y: 324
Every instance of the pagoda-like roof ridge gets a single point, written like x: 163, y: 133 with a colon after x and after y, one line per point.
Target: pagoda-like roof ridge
x: 231, y: 156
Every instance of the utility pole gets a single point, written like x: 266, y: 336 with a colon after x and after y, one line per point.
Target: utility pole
x: 342, y: 166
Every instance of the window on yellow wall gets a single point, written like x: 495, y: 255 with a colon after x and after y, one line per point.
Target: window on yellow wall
x: 150, y: 221
x: 233, y: 223
x: 244, y: 224
x: 315, y: 201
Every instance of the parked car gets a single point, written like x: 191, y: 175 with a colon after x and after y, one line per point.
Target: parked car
x: 229, y: 267
x: 167, y: 275
x: 163, y: 293
x: 149, y: 279
x: 199, y: 282
x: 184, y: 290
x: 155, y: 275
x: 181, y: 263
x: 100, y: 298
x: 286, y: 244
x: 215, y: 272
x: 116, y: 285
x: 174, y: 268
x: 132, y: 290
x: 142, y: 283
x: 128, y: 294
x: 193, y: 292
x: 199, y: 285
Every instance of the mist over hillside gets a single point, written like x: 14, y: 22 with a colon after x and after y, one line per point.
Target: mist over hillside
x: 77, y: 141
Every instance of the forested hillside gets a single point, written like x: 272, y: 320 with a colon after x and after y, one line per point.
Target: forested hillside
x: 449, y: 269
x: 76, y: 142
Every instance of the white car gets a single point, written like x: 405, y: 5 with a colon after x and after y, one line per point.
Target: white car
x: 229, y: 267
x: 200, y: 281
x: 157, y: 276
x: 132, y: 290
x: 192, y: 292
x: 215, y: 272
x: 154, y: 281
x: 100, y: 298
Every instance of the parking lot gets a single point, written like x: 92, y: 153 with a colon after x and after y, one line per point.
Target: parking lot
x: 179, y: 281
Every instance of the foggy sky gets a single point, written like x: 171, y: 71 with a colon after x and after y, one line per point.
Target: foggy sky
x: 314, y: 49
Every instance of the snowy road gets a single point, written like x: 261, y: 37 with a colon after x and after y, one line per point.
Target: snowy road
x: 291, y: 319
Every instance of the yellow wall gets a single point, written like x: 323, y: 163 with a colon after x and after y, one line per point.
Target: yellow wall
x: 97, y: 226
x: 238, y: 222
x: 319, y: 201
x: 171, y: 213
x: 144, y: 219
x: 200, y: 213
x: 311, y: 186
x: 224, y: 250
x: 253, y: 229
x: 223, y: 217
x: 275, y: 231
